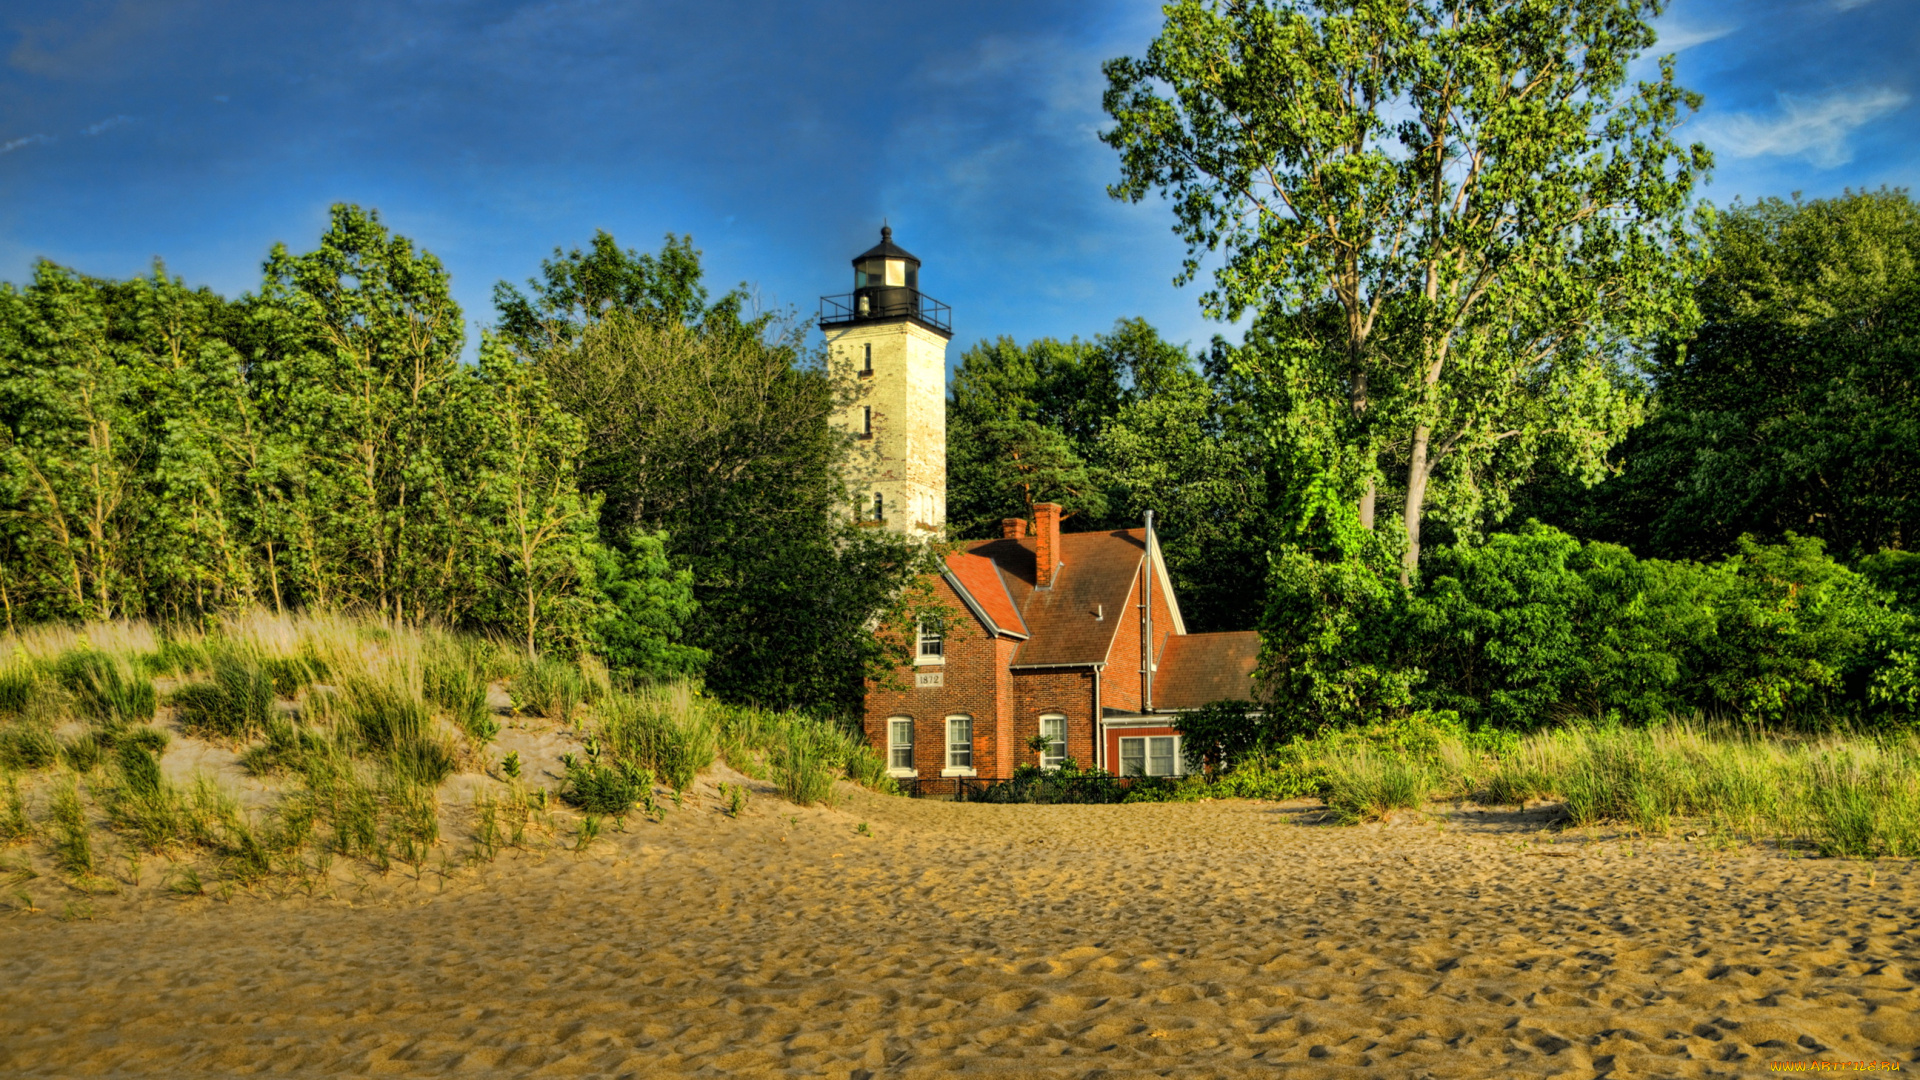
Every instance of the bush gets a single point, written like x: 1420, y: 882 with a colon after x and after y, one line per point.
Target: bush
x: 661, y: 732
x: 1367, y: 785
x: 18, y: 689
x: 1533, y: 627
x: 26, y: 747
x: 292, y: 674
x: 453, y: 686
x: 548, y: 688
x: 802, y: 770
x: 84, y: 753
x: 106, y: 687
x: 611, y: 787
x: 1067, y: 784
x: 236, y: 703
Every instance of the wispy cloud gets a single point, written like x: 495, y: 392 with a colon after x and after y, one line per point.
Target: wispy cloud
x: 1815, y: 129
x: 104, y: 125
x: 11, y: 145
x: 1677, y: 35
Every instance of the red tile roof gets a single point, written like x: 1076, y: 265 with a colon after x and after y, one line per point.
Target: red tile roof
x: 980, y: 579
x: 1197, y: 669
x: 1075, y: 621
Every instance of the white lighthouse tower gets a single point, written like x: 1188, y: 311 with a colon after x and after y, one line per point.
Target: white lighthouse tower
x: 888, y: 342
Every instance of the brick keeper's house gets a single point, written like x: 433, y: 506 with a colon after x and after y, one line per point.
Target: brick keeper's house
x: 1054, y: 631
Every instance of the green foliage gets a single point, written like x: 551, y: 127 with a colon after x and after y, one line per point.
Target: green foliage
x: 72, y: 835
x: 649, y: 604
x: 1368, y: 786
x: 1534, y: 627
x: 139, y: 770
x: 1069, y: 783
x: 450, y: 684
x: 28, y: 746
x: 547, y: 687
x: 106, y: 687
x: 665, y: 733
x: 1795, y: 407
x: 1463, y: 265
x: 236, y: 703
x: 605, y: 787
x: 18, y: 688
x: 803, y: 771
x: 578, y: 289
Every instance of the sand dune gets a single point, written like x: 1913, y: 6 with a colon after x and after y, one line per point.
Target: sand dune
x: 1204, y: 940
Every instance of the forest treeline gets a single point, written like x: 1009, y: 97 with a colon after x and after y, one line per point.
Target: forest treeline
x: 628, y: 469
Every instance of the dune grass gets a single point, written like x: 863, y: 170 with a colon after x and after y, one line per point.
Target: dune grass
x: 1851, y: 795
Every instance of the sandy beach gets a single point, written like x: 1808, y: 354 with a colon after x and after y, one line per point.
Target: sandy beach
x: 1218, y: 939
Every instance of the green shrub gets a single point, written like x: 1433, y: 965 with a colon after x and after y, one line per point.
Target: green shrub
x: 18, y: 688
x: 1530, y: 628
x: 548, y: 688
x: 292, y: 674
x: 385, y: 716
x: 237, y: 702
x: 864, y: 767
x: 106, y: 687
x: 176, y: 656
x: 150, y: 739
x: 15, y: 824
x: 1067, y: 784
x: 139, y: 770
x: 802, y: 771
x: 84, y: 753
x: 72, y: 839
x: 1866, y: 804
x: 425, y: 762
x: 604, y: 787
x: 1368, y: 785
x: 25, y: 747
x: 450, y: 684
x: 661, y: 733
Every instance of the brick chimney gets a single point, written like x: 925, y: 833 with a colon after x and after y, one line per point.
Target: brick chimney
x: 1046, y: 519
x: 1013, y: 528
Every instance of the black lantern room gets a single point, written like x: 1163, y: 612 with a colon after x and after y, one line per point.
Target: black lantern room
x: 886, y: 287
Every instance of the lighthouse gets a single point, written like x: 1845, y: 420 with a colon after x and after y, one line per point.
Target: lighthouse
x: 887, y: 346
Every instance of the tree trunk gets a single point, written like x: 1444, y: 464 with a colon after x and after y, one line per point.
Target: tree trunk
x: 1367, y: 499
x: 1417, y: 470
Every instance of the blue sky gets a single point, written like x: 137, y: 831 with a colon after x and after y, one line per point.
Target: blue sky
x: 778, y: 134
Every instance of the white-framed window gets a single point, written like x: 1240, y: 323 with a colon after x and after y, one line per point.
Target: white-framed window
x: 932, y: 642
x: 1150, y: 755
x: 960, y: 743
x: 1053, y: 728
x: 900, y: 743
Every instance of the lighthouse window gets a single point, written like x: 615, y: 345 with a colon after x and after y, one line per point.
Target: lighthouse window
x: 868, y: 369
x: 896, y: 272
x: 879, y: 507
x: 913, y: 276
x: 866, y: 420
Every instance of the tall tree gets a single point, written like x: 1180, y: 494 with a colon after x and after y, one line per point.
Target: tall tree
x: 713, y: 431
x: 1469, y: 186
x: 365, y: 344
x: 1796, y: 407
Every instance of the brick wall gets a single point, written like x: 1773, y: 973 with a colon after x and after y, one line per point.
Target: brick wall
x: 1120, y: 686
x: 1067, y: 692
x: 976, y: 684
